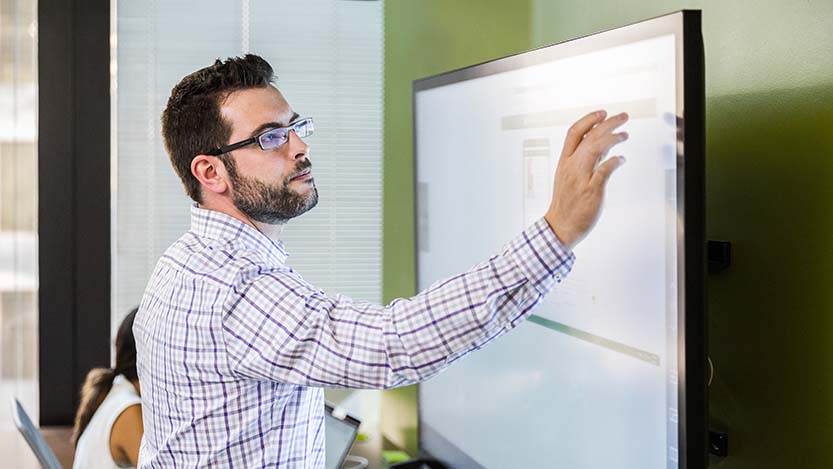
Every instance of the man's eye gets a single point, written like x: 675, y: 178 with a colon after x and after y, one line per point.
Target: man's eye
x: 273, y: 137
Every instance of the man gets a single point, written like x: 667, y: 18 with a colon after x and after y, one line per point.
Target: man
x: 234, y: 347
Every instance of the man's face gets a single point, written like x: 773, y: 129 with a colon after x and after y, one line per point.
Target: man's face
x: 270, y: 186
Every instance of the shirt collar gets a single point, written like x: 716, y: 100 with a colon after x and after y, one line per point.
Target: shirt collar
x: 216, y: 225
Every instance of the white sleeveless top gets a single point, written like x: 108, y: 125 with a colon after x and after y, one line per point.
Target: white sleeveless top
x: 93, y: 449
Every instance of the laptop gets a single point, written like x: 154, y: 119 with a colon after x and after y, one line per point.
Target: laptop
x: 32, y: 436
x: 340, y: 430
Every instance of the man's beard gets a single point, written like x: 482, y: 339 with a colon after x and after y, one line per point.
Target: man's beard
x: 272, y: 204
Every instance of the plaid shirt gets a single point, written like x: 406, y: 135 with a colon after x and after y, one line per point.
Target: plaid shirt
x: 234, y: 347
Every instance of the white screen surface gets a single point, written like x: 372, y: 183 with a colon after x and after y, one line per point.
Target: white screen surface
x: 590, y: 380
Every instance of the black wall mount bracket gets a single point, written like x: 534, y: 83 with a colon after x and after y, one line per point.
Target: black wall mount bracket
x: 720, y: 255
x: 718, y: 443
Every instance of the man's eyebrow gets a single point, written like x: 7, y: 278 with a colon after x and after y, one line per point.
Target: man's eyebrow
x: 274, y: 125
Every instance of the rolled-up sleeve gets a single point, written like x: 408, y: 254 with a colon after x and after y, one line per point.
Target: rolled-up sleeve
x: 279, y: 327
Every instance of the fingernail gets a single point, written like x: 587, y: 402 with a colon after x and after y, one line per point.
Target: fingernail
x: 621, y: 160
x: 600, y: 114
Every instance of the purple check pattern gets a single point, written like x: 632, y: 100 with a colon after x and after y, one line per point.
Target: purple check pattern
x: 234, y: 347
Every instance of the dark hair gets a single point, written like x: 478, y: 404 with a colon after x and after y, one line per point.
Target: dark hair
x: 100, y: 380
x: 192, y: 123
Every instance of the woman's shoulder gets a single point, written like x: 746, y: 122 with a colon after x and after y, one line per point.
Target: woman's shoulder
x: 122, y: 395
x: 120, y: 408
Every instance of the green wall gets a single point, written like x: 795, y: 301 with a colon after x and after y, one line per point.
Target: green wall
x: 423, y: 38
x: 769, y: 87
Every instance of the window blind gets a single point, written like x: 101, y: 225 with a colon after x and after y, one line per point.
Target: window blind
x: 328, y: 57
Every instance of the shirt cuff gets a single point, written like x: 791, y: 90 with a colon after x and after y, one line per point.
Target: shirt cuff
x: 541, y: 257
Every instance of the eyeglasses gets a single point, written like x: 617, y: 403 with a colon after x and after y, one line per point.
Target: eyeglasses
x: 272, y: 138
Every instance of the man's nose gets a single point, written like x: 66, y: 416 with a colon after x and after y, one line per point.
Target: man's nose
x: 297, y: 147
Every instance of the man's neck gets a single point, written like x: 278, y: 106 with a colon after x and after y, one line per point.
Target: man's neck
x: 272, y: 231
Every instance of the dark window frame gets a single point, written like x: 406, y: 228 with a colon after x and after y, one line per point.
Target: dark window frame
x: 73, y: 200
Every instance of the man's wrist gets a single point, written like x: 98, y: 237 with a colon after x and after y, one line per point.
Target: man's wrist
x: 564, y: 238
x: 540, y: 256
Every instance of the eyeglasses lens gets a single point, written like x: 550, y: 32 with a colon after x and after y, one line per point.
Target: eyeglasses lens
x: 273, y: 139
x: 278, y: 137
x: 304, y: 128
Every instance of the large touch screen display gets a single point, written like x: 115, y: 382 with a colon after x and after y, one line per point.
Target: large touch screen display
x: 590, y: 381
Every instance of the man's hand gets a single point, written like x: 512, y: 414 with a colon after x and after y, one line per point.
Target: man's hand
x: 580, y: 180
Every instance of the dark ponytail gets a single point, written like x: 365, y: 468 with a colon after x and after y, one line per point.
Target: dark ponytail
x: 95, y: 389
x: 99, y: 381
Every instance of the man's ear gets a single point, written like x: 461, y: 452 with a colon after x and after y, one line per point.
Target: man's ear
x: 211, y: 172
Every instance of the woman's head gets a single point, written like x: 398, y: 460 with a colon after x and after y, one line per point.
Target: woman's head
x: 126, y: 348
